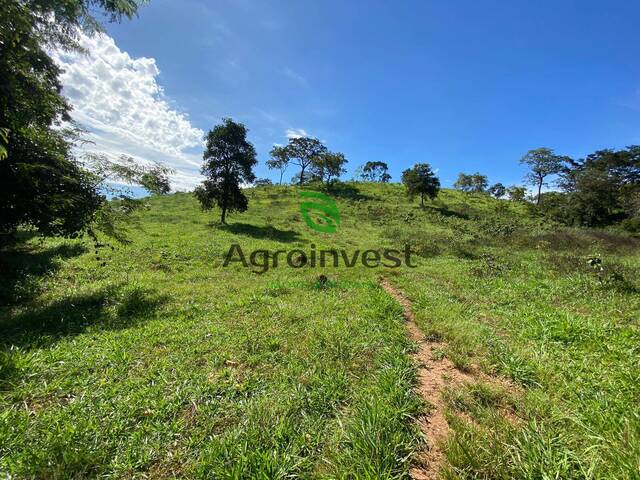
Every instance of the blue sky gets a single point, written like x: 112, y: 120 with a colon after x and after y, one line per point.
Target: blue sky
x: 466, y: 85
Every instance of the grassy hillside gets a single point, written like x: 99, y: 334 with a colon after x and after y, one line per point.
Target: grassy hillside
x: 156, y: 361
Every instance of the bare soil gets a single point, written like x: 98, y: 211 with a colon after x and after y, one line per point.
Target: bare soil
x: 434, y: 374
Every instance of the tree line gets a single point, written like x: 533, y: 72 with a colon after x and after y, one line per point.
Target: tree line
x: 44, y: 186
x: 599, y: 190
x: 229, y: 159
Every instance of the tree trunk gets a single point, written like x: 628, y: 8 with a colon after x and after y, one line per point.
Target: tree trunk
x: 301, y: 175
x: 223, y: 218
x: 422, y: 199
x: 281, y: 173
x: 539, y: 190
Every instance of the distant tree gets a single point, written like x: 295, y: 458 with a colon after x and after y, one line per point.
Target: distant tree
x: 302, y: 152
x: 375, y: 172
x: 153, y: 178
x: 464, y: 182
x: 329, y: 166
x: 479, y: 182
x: 595, y: 200
x: 228, y: 161
x: 516, y: 193
x: 309, y: 177
x: 262, y: 182
x: 279, y: 160
x: 42, y: 184
x: 421, y: 180
x: 474, y: 183
x: 542, y: 163
x: 603, y: 187
x: 497, y: 190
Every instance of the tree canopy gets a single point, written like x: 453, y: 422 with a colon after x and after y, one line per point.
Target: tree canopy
x: 42, y: 185
x: 474, y: 183
x: 329, y: 166
x: 421, y: 180
x: 497, y: 190
x: 302, y: 152
x: 542, y: 163
x: 375, y: 172
x: 601, y: 188
x: 517, y: 193
x: 228, y: 162
x: 279, y: 160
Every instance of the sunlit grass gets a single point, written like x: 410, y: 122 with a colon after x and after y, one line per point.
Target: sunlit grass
x: 163, y: 363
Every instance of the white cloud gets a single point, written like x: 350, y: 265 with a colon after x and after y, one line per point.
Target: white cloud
x: 118, y: 99
x: 296, y: 133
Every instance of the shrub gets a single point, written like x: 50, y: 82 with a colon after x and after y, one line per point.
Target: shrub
x: 631, y: 225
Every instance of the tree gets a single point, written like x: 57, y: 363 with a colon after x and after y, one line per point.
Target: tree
x: 497, y: 190
x: 153, y: 178
x: 302, y: 152
x: 474, y: 183
x: 603, y: 187
x: 464, y: 182
x: 542, y: 162
x: 479, y: 182
x: 262, y: 182
x: 329, y: 165
x: 279, y: 160
x: 595, y: 200
x: 228, y: 161
x: 375, y: 172
x: 421, y: 180
x: 42, y: 185
x: 516, y: 193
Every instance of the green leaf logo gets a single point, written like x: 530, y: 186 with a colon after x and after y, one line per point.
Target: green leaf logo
x: 324, y: 209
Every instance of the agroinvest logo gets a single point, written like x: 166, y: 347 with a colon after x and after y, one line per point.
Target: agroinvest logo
x: 320, y: 213
x: 326, y: 210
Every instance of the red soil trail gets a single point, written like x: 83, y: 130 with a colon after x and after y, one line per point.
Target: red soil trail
x: 434, y: 374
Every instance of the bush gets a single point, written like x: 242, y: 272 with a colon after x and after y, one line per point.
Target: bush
x: 631, y: 225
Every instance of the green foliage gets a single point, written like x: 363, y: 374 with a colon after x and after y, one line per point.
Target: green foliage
x: 497, y: 190
x: 228, y: 161
x: 602, y: 188
x: 278, y: 160
x: 163, y: 363
x: 631, y: 225
x: 374, y: 172
x: 4, y: 142
x: 542, y: 163
x: 262, y: 182
x: 41, y: 184
x: 154, y: 178
x: 421, y: 180
x: 329, y: 166
x: 303, y: 152
x: 474, y: 183
x: 516, y: 193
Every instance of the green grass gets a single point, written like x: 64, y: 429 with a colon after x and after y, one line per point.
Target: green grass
x: 162, y: 363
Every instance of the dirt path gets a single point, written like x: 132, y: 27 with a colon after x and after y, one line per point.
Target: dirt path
x: 434, y: 374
